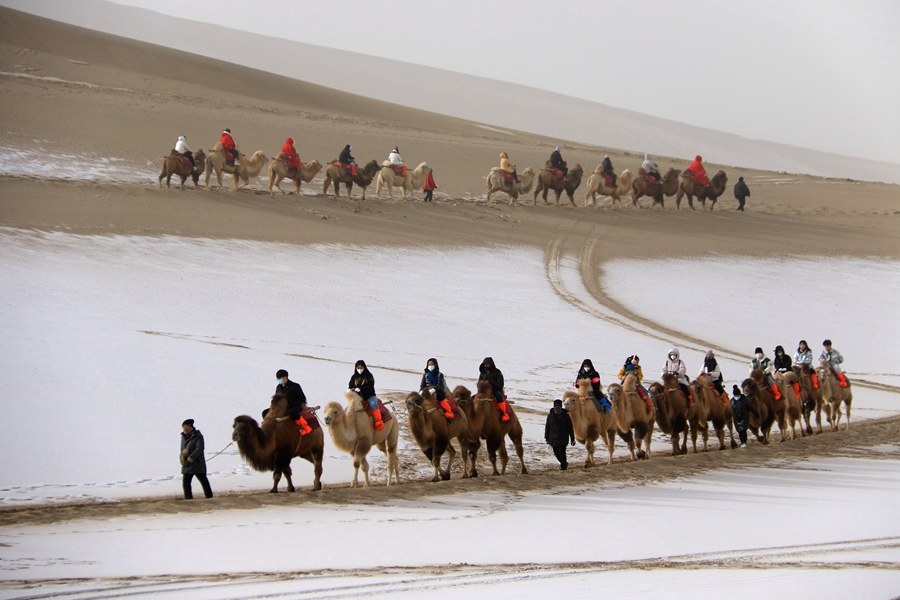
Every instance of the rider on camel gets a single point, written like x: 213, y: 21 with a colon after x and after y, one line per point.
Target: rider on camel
x: 802, y: 357
x: 296, y: 399
x: 507, y: 166
x: 346, y: 159
x: 433, y: 381
x: 607, y: 169
x: 632, y: 366
x: 491, y: 374
x: 763, y: 363
x: 651, y: 168
x: 834, y: 360
x: 291, y: 158
x: 711, y: 368
x: 557, y: 162
x: 363, y: 383
x: 182, y: 149
x: 587, y: 371
x: 675, y: 366
x: 783, y: 365
x: 698, y: 171
x: 228, y: 143
x: 397, y: 161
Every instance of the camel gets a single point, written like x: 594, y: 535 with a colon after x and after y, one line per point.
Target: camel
x: 433, y: 432
x: 271, y: 447
x: 793, y: 404
x: 547, y: 180
x: 688, y: 187
x: 632, y: 415
x: 671, y: 411
x: 589, y: 423
x: 810, y: 397
x: 173, y: 165
x: 485, y: 424
x: 412, y: 182
x: 832, y: 396
x: 496, y: 182
x: 597, y: 185
x: 762, y: 408
x: 278, y: 171
x: 247, y: 168
x: 717, y: 409
x: 658, y: 191
x: 779, y: 407
x: 353, y: 431
x: 338, y: 174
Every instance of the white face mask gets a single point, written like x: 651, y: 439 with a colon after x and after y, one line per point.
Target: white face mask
x: 759, y: 355
x: 586, y: 369
x: 360, y: 371
x: 431, y: 367
x: 673, y: 357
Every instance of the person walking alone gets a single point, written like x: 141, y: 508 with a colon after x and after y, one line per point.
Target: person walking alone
x: 558, y: 432
x: 741, y: 192
x: 429, y: 186
x: 193, y: 461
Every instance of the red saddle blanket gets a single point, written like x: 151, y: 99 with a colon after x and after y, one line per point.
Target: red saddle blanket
x: 311, y: 419
x: 385, y: 413
x: 557, y: 172
x: 449, y: 400
x: 608, y: 179
x: 651, y: 179
x: 507, y: 177
x: 345, y: 168
x: 399, y: 170
x: 230, y: 156
x: 185, y: 161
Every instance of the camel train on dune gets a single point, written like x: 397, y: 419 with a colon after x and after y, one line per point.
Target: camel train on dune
x: 271, y: 444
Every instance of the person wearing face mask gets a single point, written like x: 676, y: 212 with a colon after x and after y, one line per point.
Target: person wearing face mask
x: 783, y: 365
x: 433, y: 381
x: 834, y: 359
x: 711, y: 368
x: 761, y: 361
x: 296, y: 399
x: 587, y: 371
x: 675, y: 366
x: 488, y: 372
x: 558, y: 432
x: 803, y: 358
x: 632, y: 366
x: 363, y: 383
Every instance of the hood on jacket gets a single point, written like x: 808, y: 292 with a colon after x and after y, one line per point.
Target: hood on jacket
x: 437, y: 367
x: 361, y: 363
x: 675, y: 352
x: 779, y: 349
x: 487, y: 363
x: 698, y: 158
x: 587, y: 363
x: 181, y: 138
x: 290, y: 141
x: 647, y: 157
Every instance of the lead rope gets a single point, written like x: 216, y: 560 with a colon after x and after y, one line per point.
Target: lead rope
x: 220, y: 451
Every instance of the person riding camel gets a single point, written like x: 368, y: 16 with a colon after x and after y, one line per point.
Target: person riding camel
x: 698, y: 171
x: 291, y: 158
x: 347, y: 161
x: 557, y: 162
x: 433, y: 381
x: 761, y: 361
x: 608, y: 173
x: 230, y: 147
x: 783, y: 365
x: 507, y: 166
x: 296, y: 400
x: 711, y: 368
x: 633, y: 366
x: 834, y: 360
x: 491, y: 374
x: 803, y: 357
x: 397, y: 162
x: 182, y: 149
x: 363, y: 383
x: 651, y: 168
x: 675, y: 366
x: 587, y: 371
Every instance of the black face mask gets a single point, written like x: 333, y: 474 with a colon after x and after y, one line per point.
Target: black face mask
x: 557, y: 409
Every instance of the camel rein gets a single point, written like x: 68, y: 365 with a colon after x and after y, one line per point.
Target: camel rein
x: 220, y: 451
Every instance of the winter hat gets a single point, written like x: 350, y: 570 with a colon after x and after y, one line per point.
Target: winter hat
x: 187, y: 422
x: 290, y: 140
x: 758, y: 351
x: 227, y: 130
x: 735, y: 390
x: 740, y: 178
x: 557, y: 402
x: 557, y: 149
x: 646, y: 156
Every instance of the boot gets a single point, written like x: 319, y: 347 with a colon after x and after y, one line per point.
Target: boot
x: 379, y: 424
x: 776, y: 392
x: 448, y: 412
x: 815, y: 380
x: 842, y: 380
x: 304, y: 426
x: 796, y: 387
x: 725, y: 399
x: 647, y: 401
x: 504, y: 409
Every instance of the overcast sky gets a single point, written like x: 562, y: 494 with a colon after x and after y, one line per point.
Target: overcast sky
x: 822, y: 74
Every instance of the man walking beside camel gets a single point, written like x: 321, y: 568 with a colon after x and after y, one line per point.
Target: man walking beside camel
x: 193, y: 461
x: 558, y: 432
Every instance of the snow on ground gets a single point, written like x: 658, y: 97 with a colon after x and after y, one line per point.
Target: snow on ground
x: 706, y: 535
x: 110, y: 342
x: 46, y: 163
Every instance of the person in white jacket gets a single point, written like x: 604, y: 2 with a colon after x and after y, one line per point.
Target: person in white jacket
x: 394, y: 157
x: 181, y: 148
x: 804, y: 356
x: 650, y: 166
x: 834, y: 359
x: 676, y: 366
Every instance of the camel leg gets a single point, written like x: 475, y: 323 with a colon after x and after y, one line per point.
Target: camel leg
x: 364, y: 465
x: 440, y: 446
x: 451, y: 454
x: 589, y: 449
x: 610, y: 439
x: 315, y: 457
x: 628, y: 438
x: 287, y: 475
x: 473, y: 447
x: 504, y: 456
x: 276, y: 478
x: 847, y: 405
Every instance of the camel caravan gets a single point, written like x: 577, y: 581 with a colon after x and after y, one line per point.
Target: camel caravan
x: 444, y: 422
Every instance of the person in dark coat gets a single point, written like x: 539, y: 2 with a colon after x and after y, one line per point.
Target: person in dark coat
x: 607, y: 167
x: 741, y: 409
x: 782, y: 360
x: 347, y: 160
x: 558, y: 432
x: 363, y: 383
x: 490, y: 373
x: 557, y: 162
x: 741, y: 192
x: 296, y: 399
x: 587, y: 371
x: 193, y: 461
x: 433, y: 380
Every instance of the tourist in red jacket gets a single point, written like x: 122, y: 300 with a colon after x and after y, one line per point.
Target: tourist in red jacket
x: 429, y: 186
x: 291, y: 158
x: 696, y: 168
x: 229, y: 145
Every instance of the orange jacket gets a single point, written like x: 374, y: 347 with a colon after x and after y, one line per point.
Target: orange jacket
x: 699, y: 172
x: 227, y: 141
x: 293, y: 159
x: 429, y: 182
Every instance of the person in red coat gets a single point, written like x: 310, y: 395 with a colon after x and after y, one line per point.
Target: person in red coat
x: 429, y: 186
x: 229, y: 145
x: 699, y: 173
x: 291, y: 158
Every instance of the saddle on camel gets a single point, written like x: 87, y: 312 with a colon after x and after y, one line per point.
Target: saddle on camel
x: 346, y: 162
x: 384, y: 415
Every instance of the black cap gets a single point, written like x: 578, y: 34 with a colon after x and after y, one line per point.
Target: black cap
x: 826, y: 343
x: 187, y: 422
x: 281, y: 373
x: 735, y: 390
x: 557, y: 402
x: 758, y: 351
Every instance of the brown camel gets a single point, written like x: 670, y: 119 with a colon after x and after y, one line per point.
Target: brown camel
x: 278, y: 171
x: 717, y: 408
x: 779, y: 407
x: 671, y: 411
x: 657, y: 190
x: 589, y: 423
x: 485, y: 424
x: 597, y: 185
x: 793, y: 404
x: 433, y: 432
x: 832, y: 396
x: 412, y: 182
x: 810, y: 397
x: 762, y: 408
x: 688, y: 187
x: 496, y: 182
x: 175, y: 164
x: 632, y: 414
x: 272, y: 446
x: 247, y: 167
x: 548, y: 180
x: 353, y: 431
x: 337, y: 174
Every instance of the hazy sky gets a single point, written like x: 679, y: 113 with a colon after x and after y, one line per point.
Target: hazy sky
x: 822, y: 74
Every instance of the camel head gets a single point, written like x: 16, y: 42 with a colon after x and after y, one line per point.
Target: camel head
x: 569, y: 399
x: 332, y: 411
x: 671, y: 174
x: 615, y: 391
x: 670, y: 380
x: 462, y: 395
x: 243, y: 427
x: 421, y: 168
x: 655, y: 391
x: 485, y: 390
x: 415, y: 403
x: 748, y: 388
x: 371, y: 168
x: 314, y: 164
x: 584, y: 387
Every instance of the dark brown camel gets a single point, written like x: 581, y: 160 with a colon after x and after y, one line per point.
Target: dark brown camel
x: 433, y: 432
x: 810, y: 397
x: 656, y: 190
x: 271, y: 447
x: 548, y: 180
x: 174, y: 165
x: 717, y: 410
x: 690, y: 188
x: 337, y: 174
x: 484, y: 423
x: 762, y: 408
x: 671, y: 411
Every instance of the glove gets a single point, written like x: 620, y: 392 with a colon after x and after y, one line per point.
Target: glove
x: 190, y: 460
x: 356, y: 390
x: 431, y: 390
x: 573, y: 442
